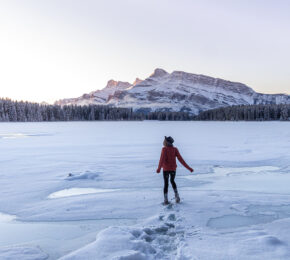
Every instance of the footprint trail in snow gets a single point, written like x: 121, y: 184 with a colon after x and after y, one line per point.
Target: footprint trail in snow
x: 167, y: 236
x: 160, y: 237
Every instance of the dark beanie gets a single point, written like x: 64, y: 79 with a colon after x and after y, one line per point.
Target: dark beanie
x: 169, y: 139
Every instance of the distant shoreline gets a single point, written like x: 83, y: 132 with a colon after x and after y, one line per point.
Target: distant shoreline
x: 20, y: 111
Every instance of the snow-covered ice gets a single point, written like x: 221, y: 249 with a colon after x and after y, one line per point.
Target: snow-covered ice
x: 23, y: 253
x: 93, y: 186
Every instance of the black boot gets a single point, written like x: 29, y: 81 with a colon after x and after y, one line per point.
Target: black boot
x: 166, y: 202
x: 177, y: 198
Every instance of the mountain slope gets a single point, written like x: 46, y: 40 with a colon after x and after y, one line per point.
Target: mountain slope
x: 176, y: 91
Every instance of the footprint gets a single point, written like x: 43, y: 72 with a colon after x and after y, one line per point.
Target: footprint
x: 171, y: 217
x: 172, y: 234
x: 136, y: 233
x: 148, y: 231
x: 161, y: 241
x: 147, y: 238
x: 170, y: 225
x: 170, y: 206
x: 161, y: 230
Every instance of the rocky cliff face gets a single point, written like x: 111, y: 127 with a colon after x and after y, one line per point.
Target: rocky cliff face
x: 176, y: 91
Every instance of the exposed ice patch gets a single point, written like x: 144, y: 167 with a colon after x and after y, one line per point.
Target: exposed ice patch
x: 230, y: 170
x: 220, y: 171
x: 6, y: 217
x: 281, y: 211
x: 236, y: 221
x: 76, y: 192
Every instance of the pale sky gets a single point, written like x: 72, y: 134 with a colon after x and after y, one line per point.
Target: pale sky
x: 57, y: 49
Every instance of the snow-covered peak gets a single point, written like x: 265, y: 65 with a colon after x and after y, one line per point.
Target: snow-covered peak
x: 158, y: 73
x: 137, y: 81
x: 111, y: 83
x: 118, y: 84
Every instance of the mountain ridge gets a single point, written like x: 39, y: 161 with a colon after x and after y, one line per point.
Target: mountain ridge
x: 176, y: 91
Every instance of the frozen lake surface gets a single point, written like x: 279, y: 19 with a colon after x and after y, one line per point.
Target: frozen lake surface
x: 68, y: 189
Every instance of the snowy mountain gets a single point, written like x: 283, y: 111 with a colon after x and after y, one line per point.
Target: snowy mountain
x: 176, y: 91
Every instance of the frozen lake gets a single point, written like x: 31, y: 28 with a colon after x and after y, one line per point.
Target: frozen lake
x: 69, y: 188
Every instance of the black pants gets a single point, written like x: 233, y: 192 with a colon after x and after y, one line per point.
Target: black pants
x: 166, y: 177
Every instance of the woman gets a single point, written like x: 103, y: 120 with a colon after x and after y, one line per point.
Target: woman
x: 168, y: 163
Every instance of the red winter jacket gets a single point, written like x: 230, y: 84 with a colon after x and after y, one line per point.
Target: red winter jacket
x: 168, y: 159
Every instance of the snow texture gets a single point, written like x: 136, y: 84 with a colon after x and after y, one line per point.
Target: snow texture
x: 22, y: 252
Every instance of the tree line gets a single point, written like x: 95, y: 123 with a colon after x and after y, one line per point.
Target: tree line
x: 20, y: 111
x: 247, y: 113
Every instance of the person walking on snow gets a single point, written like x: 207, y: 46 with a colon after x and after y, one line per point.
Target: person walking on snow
x: 168, y: 163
